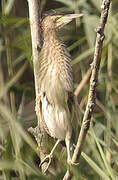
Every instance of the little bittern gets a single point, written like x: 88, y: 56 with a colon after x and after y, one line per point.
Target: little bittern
x: 58, y: 106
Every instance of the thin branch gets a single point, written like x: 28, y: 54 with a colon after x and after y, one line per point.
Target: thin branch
x: 93, y: 83
x: 35, y: 16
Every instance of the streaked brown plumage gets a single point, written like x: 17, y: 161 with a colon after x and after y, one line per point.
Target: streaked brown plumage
x: 58, y: 105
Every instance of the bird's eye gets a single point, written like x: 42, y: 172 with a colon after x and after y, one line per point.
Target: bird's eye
x: 57, y: 18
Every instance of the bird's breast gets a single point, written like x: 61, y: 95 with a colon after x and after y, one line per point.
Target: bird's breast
x: 56, y: 118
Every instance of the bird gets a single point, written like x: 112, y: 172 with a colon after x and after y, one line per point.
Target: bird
x: 57, y: 104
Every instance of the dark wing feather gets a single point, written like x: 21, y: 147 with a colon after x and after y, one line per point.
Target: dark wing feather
x: 75, y: 113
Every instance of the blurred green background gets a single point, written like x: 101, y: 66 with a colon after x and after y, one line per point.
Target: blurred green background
x: 18, y: 153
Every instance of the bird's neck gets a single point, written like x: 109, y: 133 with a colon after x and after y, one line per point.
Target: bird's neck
x: 50, y: 38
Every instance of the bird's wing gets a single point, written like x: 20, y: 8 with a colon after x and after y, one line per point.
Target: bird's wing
x: 38, y: 109
x: 75, y: 112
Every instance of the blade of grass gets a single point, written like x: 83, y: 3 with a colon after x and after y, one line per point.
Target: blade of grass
x: 14, y: 79
x: 9, y: 117
x: 108, y: 168
x: 84, y: 55
x: 95, y: 167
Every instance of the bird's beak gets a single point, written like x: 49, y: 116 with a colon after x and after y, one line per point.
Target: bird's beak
x: 65, y: 19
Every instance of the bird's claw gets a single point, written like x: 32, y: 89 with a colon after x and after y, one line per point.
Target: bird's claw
x: 48, y: 159
x: 70, y: 162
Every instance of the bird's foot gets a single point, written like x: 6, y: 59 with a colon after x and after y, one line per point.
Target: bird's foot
x: 70, y: 162
x: 48, y: 159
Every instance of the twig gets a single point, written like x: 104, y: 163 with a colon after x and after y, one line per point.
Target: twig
x: 35, y: 16
x: 93, y: 83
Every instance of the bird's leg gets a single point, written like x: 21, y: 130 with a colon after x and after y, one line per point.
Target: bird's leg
x: 67, y: 141
x: 69, y: 160
x: 49, y: 156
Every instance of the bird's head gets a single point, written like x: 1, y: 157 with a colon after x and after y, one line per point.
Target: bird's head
x: 56, y: 21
